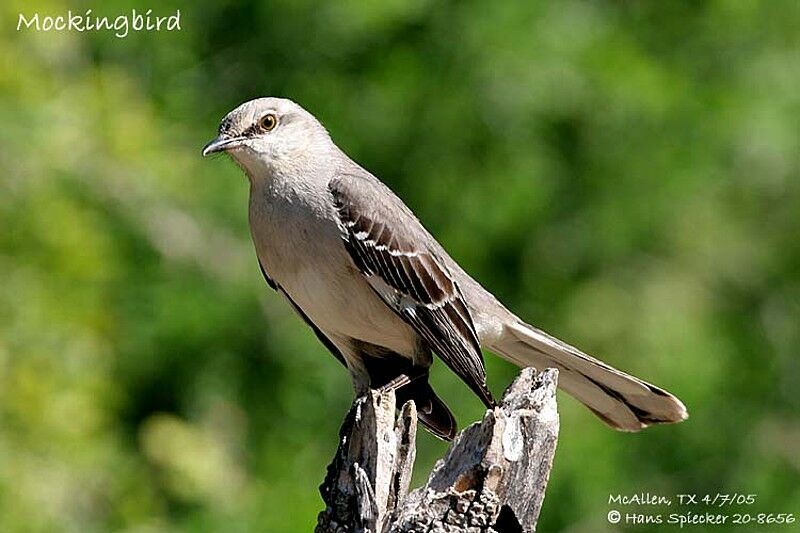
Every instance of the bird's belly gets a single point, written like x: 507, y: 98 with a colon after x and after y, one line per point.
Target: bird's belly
x: 324, y: 282
x: 341, y: 302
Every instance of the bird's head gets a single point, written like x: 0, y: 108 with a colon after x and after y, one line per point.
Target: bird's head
x: 269, y: 133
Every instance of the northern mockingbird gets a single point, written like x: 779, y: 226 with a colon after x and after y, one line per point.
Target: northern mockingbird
x: 380, y: 292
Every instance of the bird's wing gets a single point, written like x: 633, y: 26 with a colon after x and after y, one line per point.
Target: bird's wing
x: 401, y: 262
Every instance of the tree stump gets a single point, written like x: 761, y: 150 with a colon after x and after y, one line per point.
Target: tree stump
x: 492, y: 478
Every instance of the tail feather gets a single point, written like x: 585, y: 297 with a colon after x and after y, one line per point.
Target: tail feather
x: 431, y: 410
x: 622, y: 401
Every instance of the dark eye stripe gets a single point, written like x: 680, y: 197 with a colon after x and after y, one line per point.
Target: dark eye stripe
x: 258, y: 127
x: 250, y: 131
x: 226, y: 126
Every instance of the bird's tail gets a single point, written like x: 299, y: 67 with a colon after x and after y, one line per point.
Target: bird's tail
x: 431, y: 410
x: 622, y: 401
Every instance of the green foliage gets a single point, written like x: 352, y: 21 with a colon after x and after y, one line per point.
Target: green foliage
x: 624, y: 175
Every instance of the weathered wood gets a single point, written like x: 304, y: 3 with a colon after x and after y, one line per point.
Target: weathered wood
x: 493, y: 477
x: 372, y: 465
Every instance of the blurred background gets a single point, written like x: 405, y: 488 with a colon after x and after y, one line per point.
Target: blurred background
x: 624, y: 175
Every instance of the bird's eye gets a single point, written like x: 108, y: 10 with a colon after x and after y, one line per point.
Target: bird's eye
x: 268, y: 122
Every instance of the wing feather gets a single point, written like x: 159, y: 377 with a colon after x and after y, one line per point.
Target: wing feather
x: 391, y: 248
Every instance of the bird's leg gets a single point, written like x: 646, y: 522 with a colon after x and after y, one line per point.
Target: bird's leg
x: 402, y: 380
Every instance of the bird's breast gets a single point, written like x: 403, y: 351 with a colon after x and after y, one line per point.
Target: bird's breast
x: 301, y: 249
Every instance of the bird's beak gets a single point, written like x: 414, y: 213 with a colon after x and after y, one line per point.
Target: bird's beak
x: 222, y: 144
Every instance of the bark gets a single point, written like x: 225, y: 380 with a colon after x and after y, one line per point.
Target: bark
x: 492, y: 478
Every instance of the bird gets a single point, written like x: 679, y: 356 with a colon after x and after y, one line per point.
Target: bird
x: 380, y: 292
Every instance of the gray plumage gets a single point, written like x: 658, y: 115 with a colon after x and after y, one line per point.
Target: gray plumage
x: 379, y: 291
